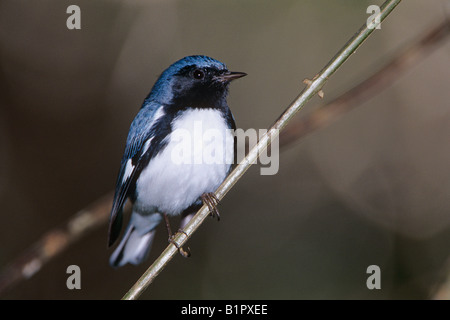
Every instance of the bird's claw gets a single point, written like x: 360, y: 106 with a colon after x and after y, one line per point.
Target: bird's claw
x: 211, y: 201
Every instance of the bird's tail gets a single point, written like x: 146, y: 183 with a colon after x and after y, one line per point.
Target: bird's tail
x: 133, y: 248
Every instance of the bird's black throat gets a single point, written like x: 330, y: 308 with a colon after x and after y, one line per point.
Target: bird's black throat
x: 201, y: 96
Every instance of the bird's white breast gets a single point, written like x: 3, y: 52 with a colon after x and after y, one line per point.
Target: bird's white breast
x: 196, y: 160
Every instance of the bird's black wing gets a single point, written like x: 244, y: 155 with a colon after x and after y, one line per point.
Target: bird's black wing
x: 138, y: 144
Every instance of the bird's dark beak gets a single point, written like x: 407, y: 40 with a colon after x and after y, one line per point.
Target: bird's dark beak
x: 229, y: 76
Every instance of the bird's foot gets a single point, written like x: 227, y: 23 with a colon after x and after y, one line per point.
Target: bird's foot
x: 183, y: 252
x: 186, y: 253
x: 211, y: 201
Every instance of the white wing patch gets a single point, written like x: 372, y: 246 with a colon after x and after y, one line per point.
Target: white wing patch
x: 129, y: 167
x: 146, y: 145
x: 128, y: 170
x: 159, y: 113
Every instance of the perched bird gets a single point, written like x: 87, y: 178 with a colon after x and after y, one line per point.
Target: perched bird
x: 163, y: 172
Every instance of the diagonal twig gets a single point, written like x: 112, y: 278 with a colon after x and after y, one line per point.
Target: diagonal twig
x: 366, y: 89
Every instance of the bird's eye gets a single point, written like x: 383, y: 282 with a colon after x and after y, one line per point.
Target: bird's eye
x: 198, y: 74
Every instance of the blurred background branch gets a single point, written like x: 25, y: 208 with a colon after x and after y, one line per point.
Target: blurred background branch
x: 54, y: 242
x: 96, y: 214
x: 402, y: 61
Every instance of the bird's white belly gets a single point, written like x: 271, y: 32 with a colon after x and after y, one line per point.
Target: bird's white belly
x: 196, y: 160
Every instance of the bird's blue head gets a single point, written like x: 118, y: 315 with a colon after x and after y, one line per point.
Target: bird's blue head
x: 193, y: 80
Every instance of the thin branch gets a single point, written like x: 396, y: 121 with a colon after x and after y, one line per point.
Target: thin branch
x: 376, y: 83
x: 313, y: 88
x: 54, y: 242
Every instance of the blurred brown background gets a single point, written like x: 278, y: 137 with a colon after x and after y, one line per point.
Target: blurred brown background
x: 372, y: 188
